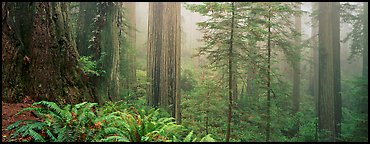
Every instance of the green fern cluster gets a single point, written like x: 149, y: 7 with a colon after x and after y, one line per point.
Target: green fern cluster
x: 70, y: 123
x: 85, y: 122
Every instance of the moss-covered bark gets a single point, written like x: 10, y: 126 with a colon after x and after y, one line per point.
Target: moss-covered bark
x: 42, y: 59
x: 84, y: 27
x: 109, y: 45
x: 100, y: 36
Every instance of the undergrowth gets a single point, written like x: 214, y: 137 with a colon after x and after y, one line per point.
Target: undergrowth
x: 87, y: 122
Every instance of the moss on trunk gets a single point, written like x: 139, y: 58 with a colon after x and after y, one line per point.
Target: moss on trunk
x: 46, y: 57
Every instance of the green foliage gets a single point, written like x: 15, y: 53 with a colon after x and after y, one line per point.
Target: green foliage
x: 89, y: 66
x: 71, y: 123
x: 355, y: 110
x: 355, y: 14
x: 187, y: 81
x: 354, y: 126
x: 85, y: 122
x: 141, y: 83
x: 204, y: 106
x: 255, y: 23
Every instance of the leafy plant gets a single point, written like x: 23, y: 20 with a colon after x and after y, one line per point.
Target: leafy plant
x: 70, y: 123
x: 85, y: 122
x: 89, y: 66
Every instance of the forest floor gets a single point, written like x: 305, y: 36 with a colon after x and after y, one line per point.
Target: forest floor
x: 8, y: 112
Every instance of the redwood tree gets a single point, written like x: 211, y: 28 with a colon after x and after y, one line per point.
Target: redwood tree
x: 164, y: 45
x: 38, y: 54
x: 329, y: 103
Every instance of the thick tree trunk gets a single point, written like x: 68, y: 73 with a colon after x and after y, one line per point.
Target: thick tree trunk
x: 329, y: 112
x: 43, y: 53
x: 314, y: 84
x: 164, y: 35
x: 109, y: 45
x: 98, y: 36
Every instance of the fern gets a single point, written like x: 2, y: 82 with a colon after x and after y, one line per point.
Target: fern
x: 188, y: 137
x: 207, y: 138
x: 115, y: 139
x: 84, y: 122
x: 37, y: 137
x: 51, y: 105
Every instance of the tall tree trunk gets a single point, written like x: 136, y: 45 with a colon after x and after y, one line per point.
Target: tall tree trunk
x: 315, y: 56
x: 296, y: 71
x: 365, y: 51
x: 101, y: 22
x: 268, y: 78
x: 328, y: 52
x: 231, y: 73
x: 365, y: 58
x: 336, y: 63
x: 164, y: 35
x: 85, y: 20
x: 39, y: 54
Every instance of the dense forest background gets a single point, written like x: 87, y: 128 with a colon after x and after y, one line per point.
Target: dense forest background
x: 171, y: 71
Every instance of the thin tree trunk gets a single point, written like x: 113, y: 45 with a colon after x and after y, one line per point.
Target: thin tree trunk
x: 336, y: 63
x: 365, y: 58
x: 296, y: 73
x: 365, y: 53
x: 268, y: 80
x: 231, y: 73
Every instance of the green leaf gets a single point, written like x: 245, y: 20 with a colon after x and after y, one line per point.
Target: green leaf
x: 115, y: 139
x: 188, y: 137
x: 36, y: 136
x: 207, y: 138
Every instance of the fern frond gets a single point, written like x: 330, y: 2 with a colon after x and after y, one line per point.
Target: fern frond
x: 166, y: 120
x: 38, y: 111
x: 194, y: 140
x: 115, y: 139
x: 24, y: 128
x: 14, y: 125
x: 112, y: 130
x: 66, y: 113
x: 78, y: 106
x: 52, y: 137
x: 207, y: 138
x: 61, y: 134
x: 188, y: 137
x: 37, y: 125
x: 50, y: 105
x: 37, y: 137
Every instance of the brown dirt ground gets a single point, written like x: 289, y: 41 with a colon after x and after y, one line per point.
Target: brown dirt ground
x: 8, y: 112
